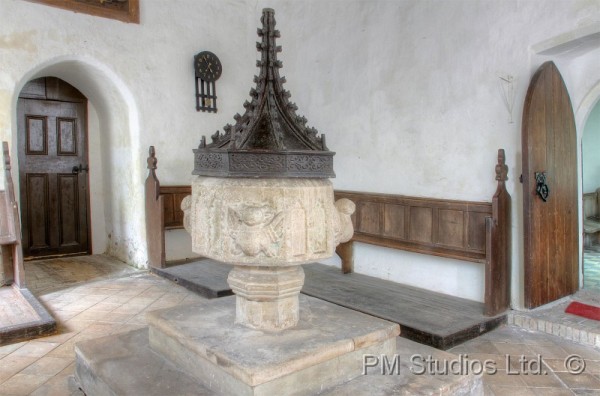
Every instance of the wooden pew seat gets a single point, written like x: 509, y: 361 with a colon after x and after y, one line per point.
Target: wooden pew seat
x: 472, y: 231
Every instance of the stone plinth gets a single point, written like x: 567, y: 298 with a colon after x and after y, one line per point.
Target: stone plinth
x: 124, y: 364
x: 325, y: 349
x: 266, y: 297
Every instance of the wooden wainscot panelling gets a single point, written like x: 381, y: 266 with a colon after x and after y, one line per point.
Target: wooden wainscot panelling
x: 421, y: 225
x: 451, y: 228
x: 476, y: 238
x: 172, y: 196
x: 447, y: 228
x: 369, y: 217
x: 395, y: 221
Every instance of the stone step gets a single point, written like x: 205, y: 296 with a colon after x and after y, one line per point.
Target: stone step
x: 124, y: 364
x: 325, y: 349
x: 198, y: 350
x: 552, y: 319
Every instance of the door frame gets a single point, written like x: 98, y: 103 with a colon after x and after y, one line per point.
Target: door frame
x: 587, y: 105
x: 55, y: 89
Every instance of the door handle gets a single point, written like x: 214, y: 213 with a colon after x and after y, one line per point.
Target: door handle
x: 79, y: 169
x: 541, y: 188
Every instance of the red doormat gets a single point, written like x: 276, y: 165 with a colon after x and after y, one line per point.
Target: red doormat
x: 583, y: 310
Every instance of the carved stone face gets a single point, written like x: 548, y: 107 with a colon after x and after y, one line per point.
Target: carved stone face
x: 255, y: 215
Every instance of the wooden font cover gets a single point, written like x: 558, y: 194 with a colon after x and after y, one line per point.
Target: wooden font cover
x: 270, y: 139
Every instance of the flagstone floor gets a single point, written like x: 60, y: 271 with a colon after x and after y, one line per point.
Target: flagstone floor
x: 90, y: 296
x: 93, y: 296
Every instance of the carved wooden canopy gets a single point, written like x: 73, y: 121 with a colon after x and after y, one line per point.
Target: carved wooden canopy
x: 270, y: 139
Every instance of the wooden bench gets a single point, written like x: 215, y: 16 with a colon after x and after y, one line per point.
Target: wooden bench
x: 21, y: 315
x: 591, y: 219
x: 472, y: 231
x: 11, y: 267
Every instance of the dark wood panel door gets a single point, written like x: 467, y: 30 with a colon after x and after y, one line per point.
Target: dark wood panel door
x: 53, y: 175
x: 549, y: 143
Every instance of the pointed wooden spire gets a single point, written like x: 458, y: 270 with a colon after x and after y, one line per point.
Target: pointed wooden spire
x: 269, y: 139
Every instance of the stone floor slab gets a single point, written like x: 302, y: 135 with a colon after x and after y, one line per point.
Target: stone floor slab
x: 116, y: 357
x: 324, y: 349
x: 408, y: 378
x: 125, y: 365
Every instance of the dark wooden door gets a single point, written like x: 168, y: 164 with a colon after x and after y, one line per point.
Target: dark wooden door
x: 549, y: 148
x: 53, y: 159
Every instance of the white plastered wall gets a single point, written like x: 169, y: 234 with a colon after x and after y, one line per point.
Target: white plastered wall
x: 419, y: 108
x: 408, y: 93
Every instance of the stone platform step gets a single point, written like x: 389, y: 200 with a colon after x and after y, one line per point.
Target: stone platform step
x: 124, y: 364
x: 22, y: 316
x: 324, y: 349
x: 431, y: 318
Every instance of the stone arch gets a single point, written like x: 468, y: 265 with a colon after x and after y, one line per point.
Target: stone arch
x: 582, y: 114
x: 115, y: 121
x: 585, y: 108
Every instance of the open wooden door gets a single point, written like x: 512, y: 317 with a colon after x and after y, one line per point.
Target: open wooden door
x: 549, y: 189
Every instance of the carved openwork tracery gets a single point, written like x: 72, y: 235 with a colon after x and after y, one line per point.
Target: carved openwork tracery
x: 269, y: 139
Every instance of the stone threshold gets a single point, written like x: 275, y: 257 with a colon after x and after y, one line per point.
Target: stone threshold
x: 552, y: 319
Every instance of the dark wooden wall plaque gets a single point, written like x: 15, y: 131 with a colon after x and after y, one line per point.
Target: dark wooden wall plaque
x: 122, y: 10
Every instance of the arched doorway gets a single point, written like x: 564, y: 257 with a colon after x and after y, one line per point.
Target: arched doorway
x: 52, y: 146
x: 590, y: 153
x: 115, y: 172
